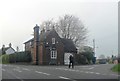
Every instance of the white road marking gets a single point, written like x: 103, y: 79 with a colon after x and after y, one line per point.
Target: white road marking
x: 15, y: 75
x: 72, y: 70
x: 38, y: 72
x: 86, y: 72
x: 77, y: 70
x: 19, y: 78
x: 4, y: 65
x: 104, y: 74
x: 63, y: 77
x: 42, y: 73
x: 81, y: 71
x: 17, y: 70
x: 26, y: 69
x: 46, y: 74
x: 83, y: 66
x: 114, y: 74
x: 97, y: 73
x: 91, y: 68
x: 3, y: 70
x: 91, y: 72
x: 17, y: 67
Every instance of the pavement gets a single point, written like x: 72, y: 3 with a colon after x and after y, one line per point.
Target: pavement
x: 41, y: 73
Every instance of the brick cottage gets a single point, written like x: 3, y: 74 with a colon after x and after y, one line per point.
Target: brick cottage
x: 47, y: 47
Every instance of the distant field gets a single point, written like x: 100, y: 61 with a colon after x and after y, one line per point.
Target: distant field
x: 116, y: 68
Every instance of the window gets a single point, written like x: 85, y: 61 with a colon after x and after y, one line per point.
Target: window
x: 30, y: 43
x: 53, y: 40
x: 53, y: 54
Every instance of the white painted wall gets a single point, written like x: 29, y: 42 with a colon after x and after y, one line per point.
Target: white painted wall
x: 10, y: 51
x: 66, y: 58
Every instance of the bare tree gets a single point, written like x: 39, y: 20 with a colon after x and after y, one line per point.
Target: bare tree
x: 47, y: 25
x: 72, y: 28
x: 50, y: 24
x: 69, y: 27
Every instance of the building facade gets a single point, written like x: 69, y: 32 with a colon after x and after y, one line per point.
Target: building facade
x: 47, y: 47
x: 7, y: 50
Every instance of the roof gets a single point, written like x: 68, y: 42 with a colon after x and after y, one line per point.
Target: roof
x: 42, y: 36
x: 68, y: 45
x: 5, y: 49
x: 29, y: 40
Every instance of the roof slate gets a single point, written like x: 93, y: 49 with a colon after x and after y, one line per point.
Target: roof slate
x: 68, y: 43
x: 5, y: 49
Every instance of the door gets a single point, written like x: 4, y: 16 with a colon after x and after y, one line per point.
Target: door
x: 66, y: 58
x: 53, y: 56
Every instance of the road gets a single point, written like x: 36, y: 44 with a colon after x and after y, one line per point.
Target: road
x: 23, y: 72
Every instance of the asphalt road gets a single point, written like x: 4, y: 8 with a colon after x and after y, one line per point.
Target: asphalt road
x: 23, y: 72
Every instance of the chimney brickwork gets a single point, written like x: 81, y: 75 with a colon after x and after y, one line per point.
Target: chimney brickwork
x: 36, y: 43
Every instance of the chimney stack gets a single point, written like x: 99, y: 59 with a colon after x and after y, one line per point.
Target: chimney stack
x: 36, y: 43
x: 10, y: 45
x: 3, y: 46
x: 3, y: 49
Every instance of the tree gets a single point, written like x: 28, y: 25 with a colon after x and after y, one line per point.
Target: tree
x: 80, y: 58
x: 48, y: 25
x: 88, y: 53
x: 72, y: 28
x: 69, y: 27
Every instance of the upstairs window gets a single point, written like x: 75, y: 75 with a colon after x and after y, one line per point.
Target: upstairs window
x: 53, y: 40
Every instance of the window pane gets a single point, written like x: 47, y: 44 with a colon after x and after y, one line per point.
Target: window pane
x: 53, y: 54
x: 53, y: 40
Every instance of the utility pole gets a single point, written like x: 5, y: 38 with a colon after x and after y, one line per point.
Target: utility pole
x: 94, y: 47
x: 94, y: 58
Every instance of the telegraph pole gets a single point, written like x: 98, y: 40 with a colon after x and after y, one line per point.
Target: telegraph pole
x: 94, y: 58
x: 94, y: 47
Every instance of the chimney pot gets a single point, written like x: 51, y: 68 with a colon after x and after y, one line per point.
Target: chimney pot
x: 3, y: 46
x: 10, y: 45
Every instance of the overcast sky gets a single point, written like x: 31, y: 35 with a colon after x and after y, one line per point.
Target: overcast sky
x: 100, y: 17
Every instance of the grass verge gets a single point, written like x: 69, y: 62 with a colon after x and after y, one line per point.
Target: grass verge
x: 116, y: 68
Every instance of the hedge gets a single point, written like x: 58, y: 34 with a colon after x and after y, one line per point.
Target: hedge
x: 5, y: 59
x: 17, y: 57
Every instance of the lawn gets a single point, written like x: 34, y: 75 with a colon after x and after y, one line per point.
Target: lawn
x: 116, y: 68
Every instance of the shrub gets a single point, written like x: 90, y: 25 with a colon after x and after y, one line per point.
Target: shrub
x: 20, y: 57
x: 12, y: 58
x: 81, y: 59
x: 5, y: 59
x: 16, y: 57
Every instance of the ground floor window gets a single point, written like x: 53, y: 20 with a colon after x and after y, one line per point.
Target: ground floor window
x: 53, y: 54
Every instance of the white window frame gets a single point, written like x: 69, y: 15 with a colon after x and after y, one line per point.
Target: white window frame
x: 53, y: 40
x: 30, y: 43
x: 53, y: 54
